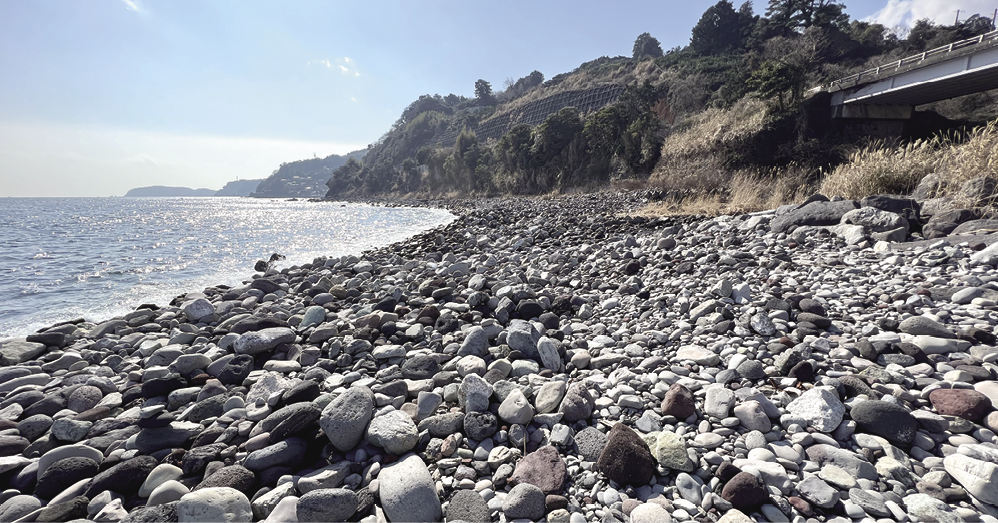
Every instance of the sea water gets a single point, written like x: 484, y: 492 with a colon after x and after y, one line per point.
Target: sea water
x: 96, y: 258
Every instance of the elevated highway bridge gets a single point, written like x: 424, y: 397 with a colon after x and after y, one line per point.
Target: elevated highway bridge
x: 891, y: 91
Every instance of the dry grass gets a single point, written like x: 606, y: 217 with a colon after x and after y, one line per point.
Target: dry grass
x: 693, y: 158
x: 717, y: 126
x: 693, y: 170
x: 881, y: 168
x: 745, y: 192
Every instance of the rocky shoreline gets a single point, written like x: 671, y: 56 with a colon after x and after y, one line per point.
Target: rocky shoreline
x: 540, y: 359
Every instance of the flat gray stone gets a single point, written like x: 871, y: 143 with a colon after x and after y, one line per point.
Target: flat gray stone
x: 848, y: 461
x: 523, y: 337
x: 753, y: 416
x: 288, y: 452
x: 213, y: 505
x: 264, y: 340
x: 324, y: 478
x: 872, y: 502
x: 476, y: 343
x: 928, y: 508
x: 920, y: 325
x: 18, y: 506
x: 166, y: 492
x: 197, y: 309
x: 980, y: 478
x: 818, y: 492
x: 524, y: 501
x: 516, y: 409
x: 332, y: 504
x: 718, y: 402
x: 18, y: 350
x: 549, y: 396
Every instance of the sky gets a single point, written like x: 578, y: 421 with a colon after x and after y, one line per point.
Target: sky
x: 101, y: 96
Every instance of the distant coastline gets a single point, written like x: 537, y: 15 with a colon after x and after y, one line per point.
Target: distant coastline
x: 159, y: 190
x: 234, y: 188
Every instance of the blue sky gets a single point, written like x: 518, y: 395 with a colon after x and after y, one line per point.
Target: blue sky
x: 100, y: 96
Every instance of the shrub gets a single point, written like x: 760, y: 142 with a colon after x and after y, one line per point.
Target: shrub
x: 882, y: 168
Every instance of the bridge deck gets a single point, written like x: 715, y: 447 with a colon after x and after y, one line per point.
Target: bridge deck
x: 958, y: 69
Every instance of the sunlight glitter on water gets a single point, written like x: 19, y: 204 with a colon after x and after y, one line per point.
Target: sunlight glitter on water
x: 105, y: 256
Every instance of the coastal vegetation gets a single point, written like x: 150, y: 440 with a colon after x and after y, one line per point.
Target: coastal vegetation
x: 731, y: 111
x: 881, y: 168
x: 302, y: 178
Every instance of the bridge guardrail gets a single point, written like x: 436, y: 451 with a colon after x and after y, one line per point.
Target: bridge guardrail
x: 897, y: 64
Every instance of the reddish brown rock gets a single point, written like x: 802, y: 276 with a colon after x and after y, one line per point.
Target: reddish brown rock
x: 678, y: 402
x: 801, y: 505
x: 745, y: 491
x: 626, y: 458
x: 963, y: 403
x: 542, y: 468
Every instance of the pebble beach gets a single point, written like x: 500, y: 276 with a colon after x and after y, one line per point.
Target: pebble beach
x: 559, y: 360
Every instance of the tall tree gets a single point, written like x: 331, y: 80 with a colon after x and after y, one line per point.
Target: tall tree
x: 719, y: 30
x: 797, y: 15
x: 646, y: 46
x: 483, y: 92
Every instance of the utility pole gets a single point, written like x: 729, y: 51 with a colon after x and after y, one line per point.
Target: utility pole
x: 957, y: 22
x: 994, y: 18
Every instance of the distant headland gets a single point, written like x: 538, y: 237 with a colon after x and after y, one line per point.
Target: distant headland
x: 234, y: 188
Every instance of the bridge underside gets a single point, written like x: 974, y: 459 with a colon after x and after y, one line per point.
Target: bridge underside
x: 896, y: 96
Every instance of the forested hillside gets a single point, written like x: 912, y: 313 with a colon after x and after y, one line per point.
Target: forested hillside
x: 733, y: 100
x: 303, y: 178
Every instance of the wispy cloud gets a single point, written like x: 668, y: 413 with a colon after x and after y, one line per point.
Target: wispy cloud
x: 341, y: 64
x: 132, y: 5
x: 904, y: 13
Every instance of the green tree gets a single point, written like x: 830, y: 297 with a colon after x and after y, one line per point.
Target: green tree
x: 773, y: 79
x: 514, y: 148
x: 518, y: 88
x: 483, y: 92
x: 409, y: 179
x: 646, y: 46
x: 466, y: 154
x: 345, y: 178
x: 552, y: 136
x: 797, y: 15
x: 719, y: 30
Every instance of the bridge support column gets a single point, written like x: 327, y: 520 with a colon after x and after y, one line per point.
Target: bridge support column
x: 872, y: 121
x: 873, y: 112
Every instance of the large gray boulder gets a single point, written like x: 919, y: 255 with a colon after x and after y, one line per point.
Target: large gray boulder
x: 522, y: 336
x: 875, y: 220
x: 407, y: 491
x: 976, y: 227
x: 903, y: 205
x: 813, y: 213
x: 345, y: 419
